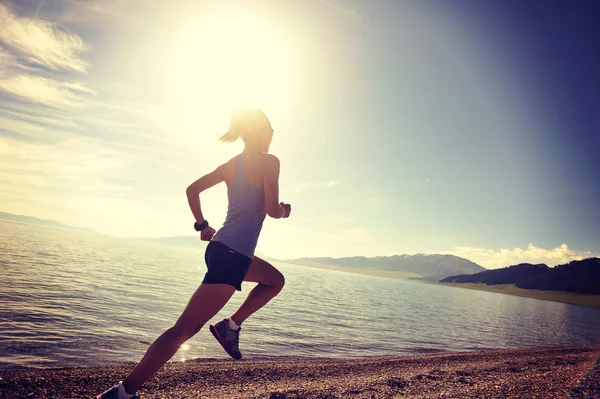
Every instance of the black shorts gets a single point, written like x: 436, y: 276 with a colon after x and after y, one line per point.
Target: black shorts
x: 225, y: 266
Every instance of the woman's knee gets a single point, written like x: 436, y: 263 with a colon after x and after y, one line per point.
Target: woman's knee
x: 278, y: 280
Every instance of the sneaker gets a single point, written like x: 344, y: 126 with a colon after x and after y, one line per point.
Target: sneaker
x: 228, y: 338
x: 113, y: 393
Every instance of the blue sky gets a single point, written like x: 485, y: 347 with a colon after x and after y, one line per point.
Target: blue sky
x: 467, y: 127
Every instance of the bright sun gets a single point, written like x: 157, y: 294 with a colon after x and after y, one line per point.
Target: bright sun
x: 230, y: 60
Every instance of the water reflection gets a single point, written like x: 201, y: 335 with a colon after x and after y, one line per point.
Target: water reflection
x: 73, y: 299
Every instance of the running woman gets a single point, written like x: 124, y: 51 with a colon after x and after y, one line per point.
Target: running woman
x: 252, y: 180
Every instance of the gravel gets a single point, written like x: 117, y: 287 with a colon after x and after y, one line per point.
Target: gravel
x: 545, y: 373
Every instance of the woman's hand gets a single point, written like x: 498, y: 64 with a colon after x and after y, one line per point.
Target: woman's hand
x: 207, y: 233
x: 287, y: 209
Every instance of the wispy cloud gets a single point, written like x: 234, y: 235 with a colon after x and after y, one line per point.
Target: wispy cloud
x: 31, y: 52
x: 72, y: 165
x: 69, y: 156
x: 493, y: 259
x: 40, y: 120
x: 21, y: 128
x: 7, y: 62
x: 41, y: 43
x: 46, y: 91
x: 82, y: 12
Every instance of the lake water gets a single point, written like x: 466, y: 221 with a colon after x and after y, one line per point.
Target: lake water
x: 75, y: 299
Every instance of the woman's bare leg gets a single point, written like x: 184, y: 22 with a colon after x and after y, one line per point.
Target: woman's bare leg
x: 270, y: 282
x: 204, y: 304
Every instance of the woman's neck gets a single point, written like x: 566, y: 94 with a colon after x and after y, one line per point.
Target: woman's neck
x: 248, y: 148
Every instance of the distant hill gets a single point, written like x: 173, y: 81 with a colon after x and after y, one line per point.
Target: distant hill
x: 431, y: 267
x: 42, y: 222
x: 579, y: 276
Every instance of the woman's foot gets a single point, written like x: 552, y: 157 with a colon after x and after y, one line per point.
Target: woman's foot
x: 117, y: 392
x: 227, y: 337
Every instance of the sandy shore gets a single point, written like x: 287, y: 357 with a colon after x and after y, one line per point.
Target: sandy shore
x: 545, y: 373
x: 510, y: 289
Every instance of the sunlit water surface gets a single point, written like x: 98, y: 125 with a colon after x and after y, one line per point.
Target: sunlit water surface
x: 74, y: 299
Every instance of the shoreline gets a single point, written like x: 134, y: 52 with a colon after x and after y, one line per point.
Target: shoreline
x: 570, y: 298
x: 554, y: 372
x: 592, y: 301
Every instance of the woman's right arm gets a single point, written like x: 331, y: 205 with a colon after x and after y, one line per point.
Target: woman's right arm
x: 193, y: 195
x: 271, y: 187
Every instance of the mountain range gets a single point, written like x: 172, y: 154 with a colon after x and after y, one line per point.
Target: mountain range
x: 41, y: 222
x: 430, y: 267
x: 579, y: 276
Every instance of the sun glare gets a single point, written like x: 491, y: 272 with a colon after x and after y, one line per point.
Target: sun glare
x: 230, y: 60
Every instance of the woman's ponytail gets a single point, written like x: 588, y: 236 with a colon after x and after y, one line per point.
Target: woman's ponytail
x: 241, y: 121
x: 235, y: 130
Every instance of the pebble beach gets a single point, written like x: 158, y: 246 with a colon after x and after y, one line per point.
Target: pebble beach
x: 545, y: 373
